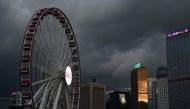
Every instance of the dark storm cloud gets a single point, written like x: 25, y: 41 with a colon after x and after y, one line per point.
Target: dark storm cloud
x: 112, y: 35
x: 11, y: 23
x: 136, y: 21
x: 136, y: 32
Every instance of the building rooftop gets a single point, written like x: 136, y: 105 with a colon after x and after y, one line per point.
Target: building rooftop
x: 186, y: 30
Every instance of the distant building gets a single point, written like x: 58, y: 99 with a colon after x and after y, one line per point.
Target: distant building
x: 162, y: 88
x: 178, y: 64
x: 92, y: 96
x: 139, y: 91
x: 152, y: 93
x: 118, y: 100
x: 16, y: 101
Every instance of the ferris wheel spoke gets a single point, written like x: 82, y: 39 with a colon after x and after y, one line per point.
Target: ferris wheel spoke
x: 66, y: 61
x: 44, y: 97
x: 42, y: 70
x: 65, y: 58
x: 41, y: 53
x: 39, y: 90
x: 38, y: 93
x: 41, y: 28
x: 65, y: 49
x: 47, y: 64
x: 67, y: 98
x: 59, y: 50
x: 43, y: 37
x: 49, y: 33
x: 57, y: 96
x: 38, y: 48
x: 48, y: 67
x: 39, y: 60
x: 52, y: 93
x: 62, y: 35
x: 54, y: 33
x: 41, y: 42
x: 59, y: 35
x: 46, y: 94
x: 44, y: 80
x: 62, y: 56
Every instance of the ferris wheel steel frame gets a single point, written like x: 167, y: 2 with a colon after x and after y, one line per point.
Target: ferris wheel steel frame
x: 27, y: 83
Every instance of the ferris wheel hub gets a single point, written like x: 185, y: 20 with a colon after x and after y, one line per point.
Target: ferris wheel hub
x: 68, y: 75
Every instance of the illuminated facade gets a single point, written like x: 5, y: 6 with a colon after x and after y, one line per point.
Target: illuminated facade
x: 139, y: 91
x: 178, y: 63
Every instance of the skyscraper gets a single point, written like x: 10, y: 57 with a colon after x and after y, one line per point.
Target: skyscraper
x: 178, y: 63
x: 92, y: 96
x: 162, y: 88
x: 152, y: 94
x: 139, y: 91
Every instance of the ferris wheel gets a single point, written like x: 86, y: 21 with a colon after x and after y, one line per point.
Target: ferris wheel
x: 50, y: 64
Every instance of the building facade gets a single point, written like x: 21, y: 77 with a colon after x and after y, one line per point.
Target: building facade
x: 16, y: 101
x: 139, y: 91
x: 162, y: 88
x: 118, y: 100
x: 178, y: 63
x: 92, y: 96
x: 152, y: 93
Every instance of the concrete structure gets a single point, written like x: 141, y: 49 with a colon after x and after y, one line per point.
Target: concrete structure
x: 162, y: 88
x: 152, y: 93
x: 92, y: 96
x: 118, y: 100
x: 139, y: 91
x: 16, y: 101
x: 178, y: 64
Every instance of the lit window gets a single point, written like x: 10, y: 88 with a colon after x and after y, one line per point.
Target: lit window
x: 122, y: 98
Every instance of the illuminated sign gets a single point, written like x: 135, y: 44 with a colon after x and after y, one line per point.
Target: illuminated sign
x: 138, y: 65
x: 179, y: 32
x: 68, y: 75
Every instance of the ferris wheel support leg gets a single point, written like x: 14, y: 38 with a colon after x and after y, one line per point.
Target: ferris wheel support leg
x: 57, y: 96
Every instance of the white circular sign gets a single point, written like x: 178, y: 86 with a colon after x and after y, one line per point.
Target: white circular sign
x: 68, y: 75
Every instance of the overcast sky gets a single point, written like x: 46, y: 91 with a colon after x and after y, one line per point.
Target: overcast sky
x: 112, y: 36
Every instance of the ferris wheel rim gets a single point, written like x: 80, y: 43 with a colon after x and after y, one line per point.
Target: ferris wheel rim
x: 41, y: 13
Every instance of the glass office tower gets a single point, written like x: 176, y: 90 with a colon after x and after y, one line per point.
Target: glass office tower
x: 152, y: 93
x: 162, y: 88
x: 139, y: 90
x: 178, y: 63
